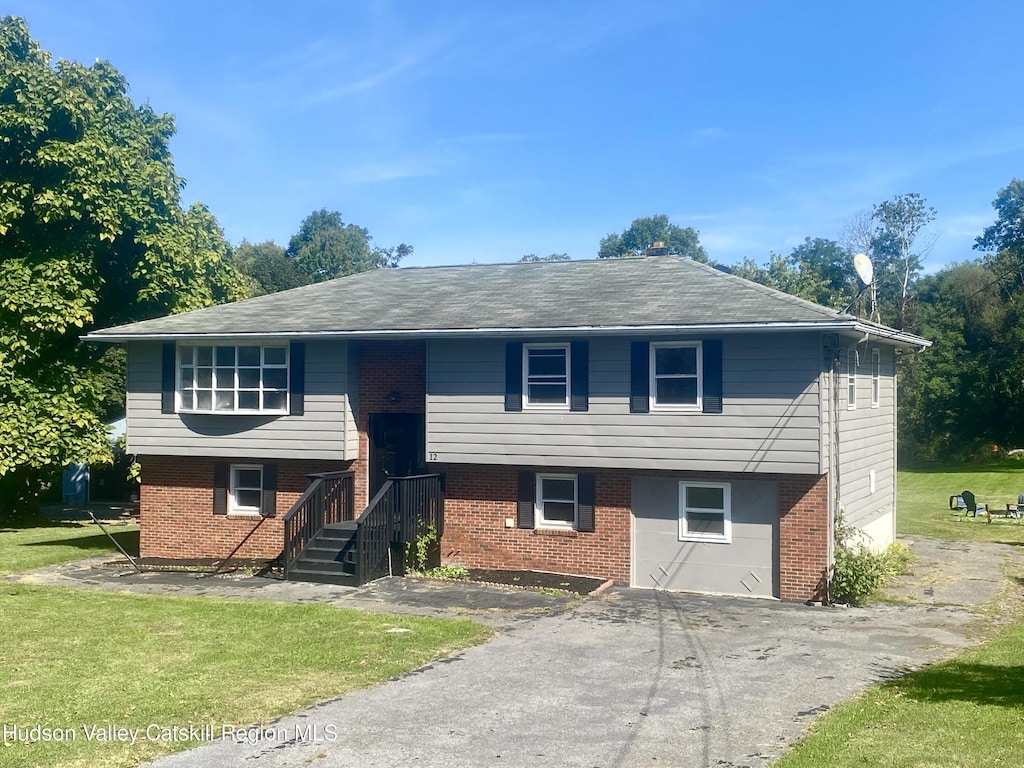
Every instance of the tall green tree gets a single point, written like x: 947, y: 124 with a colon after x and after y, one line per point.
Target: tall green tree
x: 92, y: 233
x: 818, y: 270
x: 1003, y: 241
x: 325, y: 247
x: 968, y: 389
x: 267, y: 267
x: 645, y: 232
x: 898, y: 253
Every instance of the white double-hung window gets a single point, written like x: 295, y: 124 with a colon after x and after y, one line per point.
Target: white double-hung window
x: 246, y: 378
x: 876, y: 378
x: 546, y: 375
x: 851, y: 380
x: 246, y: 493
x: 676, y: 376
x: 557, y: 501
x: 705, y: 512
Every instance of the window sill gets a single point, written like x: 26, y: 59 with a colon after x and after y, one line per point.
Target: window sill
x: 231, y: 413
x: 706, y: 539
x: 569, y: 533
x: 245, y: 515
x: 675, y: 408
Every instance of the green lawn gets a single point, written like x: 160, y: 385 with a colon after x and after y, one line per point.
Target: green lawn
x: 72, y: 659
x: 24, y: 548
x: 960, y: 713
x: 923, y: 501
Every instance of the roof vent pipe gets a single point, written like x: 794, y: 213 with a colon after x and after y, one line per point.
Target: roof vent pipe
x: 657, y: 249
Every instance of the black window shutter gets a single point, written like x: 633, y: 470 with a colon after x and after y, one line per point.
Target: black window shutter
x: 712, y: 375
x: 527, y: 498
x: 297, y: 378
x: 269, y: 506
x: 579, y: 361
x: 514, y: 376
x: 639, y: 377
x: 167, y: 377
x: 585, y: 498
x: 221, y: 481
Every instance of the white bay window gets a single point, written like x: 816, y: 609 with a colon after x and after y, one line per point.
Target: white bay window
x: 233, y: 379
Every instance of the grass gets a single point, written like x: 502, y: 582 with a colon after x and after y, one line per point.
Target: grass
x: 923, y: 501
x: 25, y: 548
x: 960, y: 713
x: 77, y: 659
x: 74, y: 658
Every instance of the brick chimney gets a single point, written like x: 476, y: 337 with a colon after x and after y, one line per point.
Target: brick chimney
x: 657, y: 249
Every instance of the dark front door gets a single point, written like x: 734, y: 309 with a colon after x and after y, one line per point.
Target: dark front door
x: 396, y: 447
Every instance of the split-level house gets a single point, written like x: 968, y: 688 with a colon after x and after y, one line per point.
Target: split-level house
x: 652, y: 420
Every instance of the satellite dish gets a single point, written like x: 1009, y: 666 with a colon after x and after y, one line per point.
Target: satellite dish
x: 862, y: 263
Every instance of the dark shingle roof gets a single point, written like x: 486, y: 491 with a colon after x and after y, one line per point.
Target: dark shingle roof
x: 663, y: 291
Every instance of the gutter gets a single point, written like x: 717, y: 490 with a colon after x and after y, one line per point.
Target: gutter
x: 852, y: 325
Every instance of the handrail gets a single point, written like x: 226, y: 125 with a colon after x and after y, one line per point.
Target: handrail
x: 328, y: 499
x: 398, y: 513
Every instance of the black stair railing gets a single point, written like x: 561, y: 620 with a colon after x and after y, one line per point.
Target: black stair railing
x: 402, y: 510
x: 330, y: 498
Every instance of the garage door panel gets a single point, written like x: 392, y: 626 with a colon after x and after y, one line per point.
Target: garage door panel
x: 746, y: 565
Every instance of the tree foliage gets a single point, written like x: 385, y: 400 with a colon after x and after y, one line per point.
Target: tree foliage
x: 967, y: 391
x: 267, y: 267
x: 897, y: 255
x: 92, y: 233
x: 325, y: 247
x: 818, y: 270
x: 645, y: 232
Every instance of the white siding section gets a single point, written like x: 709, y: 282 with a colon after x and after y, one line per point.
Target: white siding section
x: 325, y: 431
x: 771, y: 419
x: 866, y: 445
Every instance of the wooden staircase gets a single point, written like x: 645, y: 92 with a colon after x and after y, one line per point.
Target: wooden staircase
x: 329, y: 557
x: 323, y: 543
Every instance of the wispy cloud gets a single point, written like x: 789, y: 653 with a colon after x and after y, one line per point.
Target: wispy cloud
x: 707, y: 135
x: 413, y: 60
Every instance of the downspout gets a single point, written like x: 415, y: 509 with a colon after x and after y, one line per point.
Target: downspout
x: 895, y: 436
x: 834, y: 472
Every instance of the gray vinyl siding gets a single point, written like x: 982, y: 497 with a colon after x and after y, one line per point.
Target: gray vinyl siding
x: 771, y: 419
x: 325, y: 431
x: 866, y: 442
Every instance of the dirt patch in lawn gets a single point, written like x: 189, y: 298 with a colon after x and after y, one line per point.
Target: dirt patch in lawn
x: 580, y: 585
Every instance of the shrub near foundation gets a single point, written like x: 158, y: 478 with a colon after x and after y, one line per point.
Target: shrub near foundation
x: 859, y: 571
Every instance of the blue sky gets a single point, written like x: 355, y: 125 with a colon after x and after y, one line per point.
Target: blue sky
x: 483, y: 131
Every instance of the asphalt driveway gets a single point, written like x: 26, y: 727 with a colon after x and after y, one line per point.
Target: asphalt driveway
x: 624, y: 678
x: 630, y: 678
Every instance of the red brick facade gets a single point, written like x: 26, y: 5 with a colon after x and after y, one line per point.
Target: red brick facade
x: 176, y: 506
x: 803, y: 536
x: 479, y: 500
x: 386, y: 370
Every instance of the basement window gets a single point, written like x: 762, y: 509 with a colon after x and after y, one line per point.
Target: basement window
x: 556, y: 501
x: 246, y: 493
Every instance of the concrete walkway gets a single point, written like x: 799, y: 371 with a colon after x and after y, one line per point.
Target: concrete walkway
x: 626, y: 678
